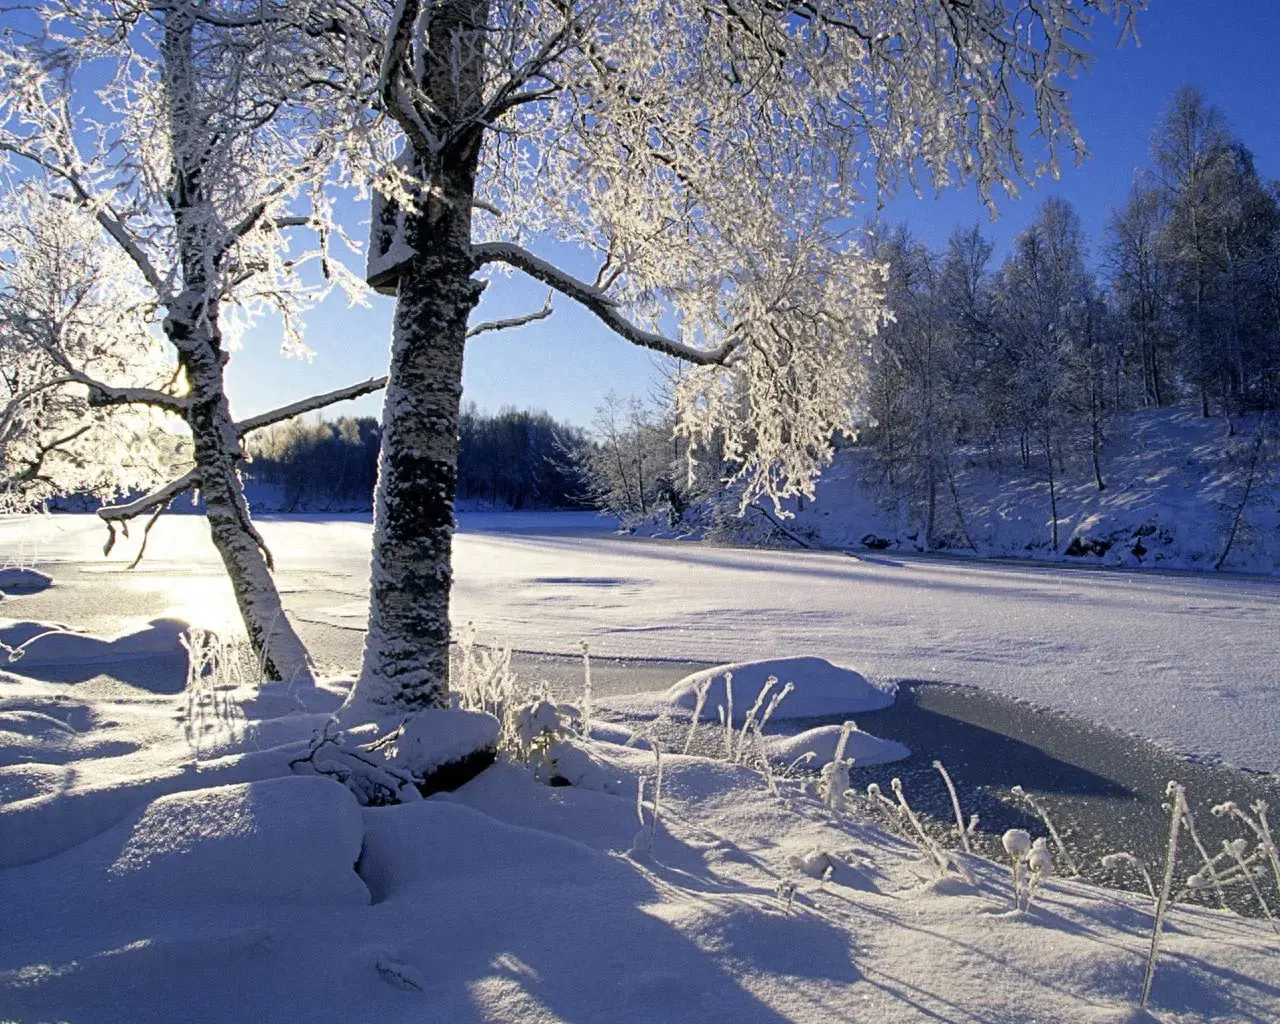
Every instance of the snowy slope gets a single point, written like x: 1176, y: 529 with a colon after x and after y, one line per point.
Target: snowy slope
x: 1173, y: 481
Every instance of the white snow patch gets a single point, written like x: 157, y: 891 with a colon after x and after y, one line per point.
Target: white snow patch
x: 822, y: 690
x: 286, y: 840
x: 436, y: 737
x: 16, y: 580
x: 820, y: 747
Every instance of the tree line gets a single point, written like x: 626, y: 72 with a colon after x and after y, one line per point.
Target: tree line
x: 515, y: 459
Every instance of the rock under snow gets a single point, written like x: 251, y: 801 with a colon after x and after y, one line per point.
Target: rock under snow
x: 287, y: 840
x: 821, y: 690
x: 446, y: 747
x: 820, y: 743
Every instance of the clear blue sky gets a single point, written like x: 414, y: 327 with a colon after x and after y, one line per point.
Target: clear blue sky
x: 567, y: 364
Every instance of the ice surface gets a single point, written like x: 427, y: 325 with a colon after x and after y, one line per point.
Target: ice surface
x: 1191, y: 661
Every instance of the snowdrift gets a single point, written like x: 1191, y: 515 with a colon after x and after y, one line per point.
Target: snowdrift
x: 821, y: 690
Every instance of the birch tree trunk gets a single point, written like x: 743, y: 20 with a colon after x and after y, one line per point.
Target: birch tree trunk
x: 192, y: 327
x: 406, y: 655
x: 217, y: 453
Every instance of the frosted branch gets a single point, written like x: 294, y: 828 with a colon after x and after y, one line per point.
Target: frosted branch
x: 305, y: 405
x: 513, y: 321
x: 149, y: 502
x: 598, y: 303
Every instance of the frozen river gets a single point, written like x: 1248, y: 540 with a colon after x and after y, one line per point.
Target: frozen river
x: 1190, y: 661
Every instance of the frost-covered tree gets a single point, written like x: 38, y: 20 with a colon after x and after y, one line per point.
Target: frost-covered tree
x: 199, y: 137
x: 708, y: 154
x: 72, y: 310
x: 1043, y: 295
x: 1141, y: 280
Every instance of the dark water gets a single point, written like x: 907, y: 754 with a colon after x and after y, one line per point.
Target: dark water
x: 1103, y: 790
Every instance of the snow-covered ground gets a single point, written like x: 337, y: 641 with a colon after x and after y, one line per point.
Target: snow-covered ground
x: 161, y: 863
x: 1186, y: 660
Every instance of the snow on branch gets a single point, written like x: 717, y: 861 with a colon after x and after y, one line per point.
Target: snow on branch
x: 513, y: 321
x: 304, y: 405
x: 148, y: 502
x: 106, y: 394
x: 598, y: 303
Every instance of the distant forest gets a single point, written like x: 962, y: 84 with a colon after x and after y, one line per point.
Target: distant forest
x: 514, y: 459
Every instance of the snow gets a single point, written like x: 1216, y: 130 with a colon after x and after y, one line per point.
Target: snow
x: 1188, y: 660
x: 146, y: 878
x: 19, y: 580
x: 818, y: 746
x: 284, y: 840
x: 1173, y: 481
x: 821, y: 690
x: 434, y: 738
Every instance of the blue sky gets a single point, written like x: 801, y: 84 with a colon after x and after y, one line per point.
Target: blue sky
x: 567, y: 364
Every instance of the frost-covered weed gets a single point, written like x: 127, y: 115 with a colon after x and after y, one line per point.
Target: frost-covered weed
x: 700, y: 698
x: 1040, y: 866
x: 910, y: 828
x: 966, y: 832
x: 531, y: 722
x: 1017, y: 844
x: 1036, y: 806
x: 833, y: 780
x: 218, y: 666
x: 642, y: 844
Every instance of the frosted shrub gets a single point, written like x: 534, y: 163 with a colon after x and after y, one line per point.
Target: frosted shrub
x: 1266, y: 851
x: 1036, y: 806
x: 532, y: 731
x: 481, y: 677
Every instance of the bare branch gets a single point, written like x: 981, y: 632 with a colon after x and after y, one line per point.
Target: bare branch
x: 513, y: 321
x: 106, y: 394
x: 285, y: 412
x: 600, y: 304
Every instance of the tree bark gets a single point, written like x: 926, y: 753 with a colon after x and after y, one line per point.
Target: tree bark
x: 406, y: 655
x: 192, y: 327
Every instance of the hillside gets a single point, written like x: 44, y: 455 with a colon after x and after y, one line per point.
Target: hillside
x: 1174, y: 482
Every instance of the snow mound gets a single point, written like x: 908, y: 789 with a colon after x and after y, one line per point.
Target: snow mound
x: 14, y: 580
x: 434, y: 738
x: 820, y: 745
x: 287, y: 840
x: 822, y: 690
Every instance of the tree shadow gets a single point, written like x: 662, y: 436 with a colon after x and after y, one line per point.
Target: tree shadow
x: 151, y: 659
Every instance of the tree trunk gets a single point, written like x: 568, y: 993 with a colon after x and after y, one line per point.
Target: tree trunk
x: 192, y: 327
x: 217, y: 454
x: 406, y: 654
x: 1096, y: 439
x: 1053, y: 489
